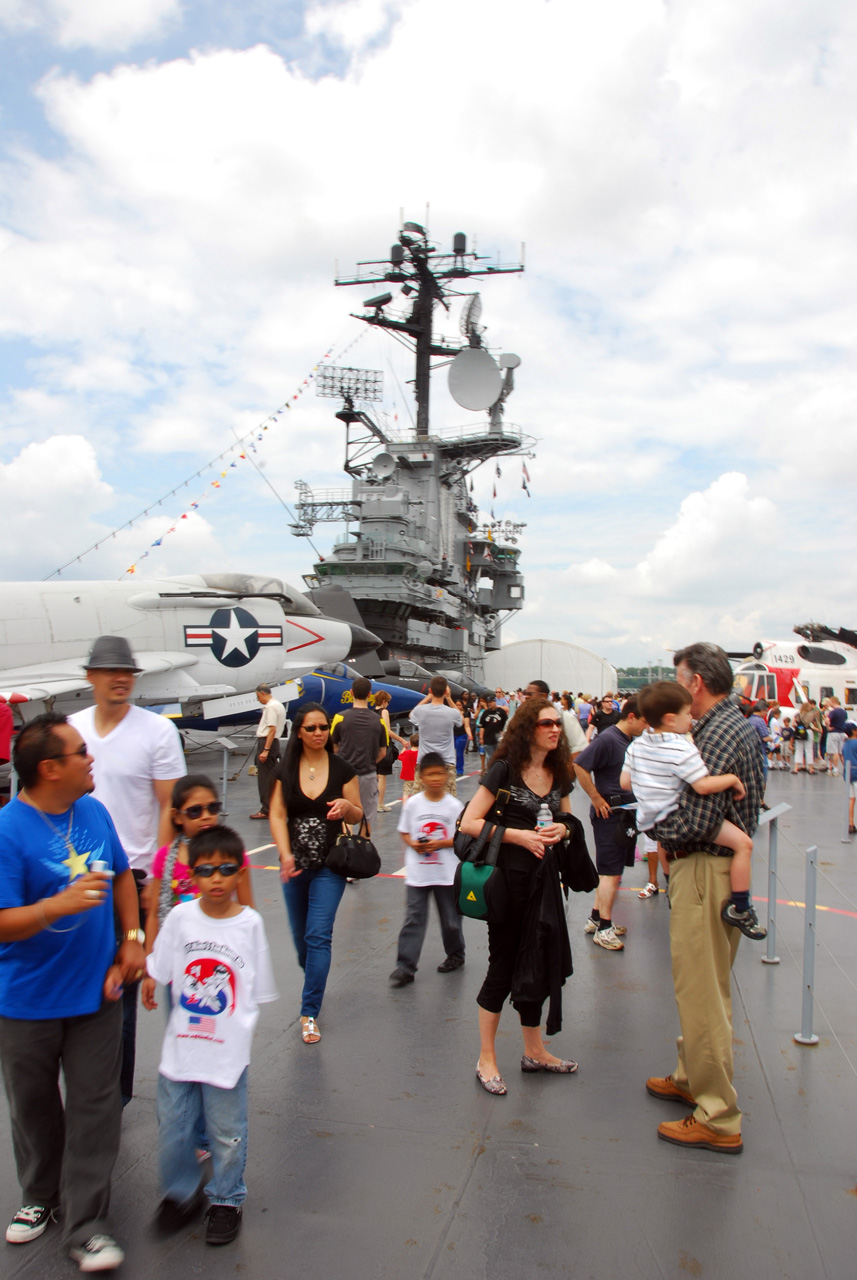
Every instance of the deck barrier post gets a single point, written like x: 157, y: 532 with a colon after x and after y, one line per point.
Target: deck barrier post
x: 805, y: 1035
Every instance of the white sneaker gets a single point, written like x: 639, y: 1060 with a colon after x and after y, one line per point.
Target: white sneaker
x: 28, y: 1223
x: 608, y: 939
x: 100, y: 1253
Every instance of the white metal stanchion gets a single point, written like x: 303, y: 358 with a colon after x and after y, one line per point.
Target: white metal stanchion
x: 770, y: 817
x: 805, y: 1035
x: 228, y: 745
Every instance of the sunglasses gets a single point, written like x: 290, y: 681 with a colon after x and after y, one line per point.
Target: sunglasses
x: 78, y: 751
x: 206, y: 870
x: 547, y: 724
x: 195, y: 811
x: 316, y: 728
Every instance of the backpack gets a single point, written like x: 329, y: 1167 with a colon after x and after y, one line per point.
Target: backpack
x: 801, y: 732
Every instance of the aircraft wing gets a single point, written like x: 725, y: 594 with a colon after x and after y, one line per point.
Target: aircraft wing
x: 50, y: 679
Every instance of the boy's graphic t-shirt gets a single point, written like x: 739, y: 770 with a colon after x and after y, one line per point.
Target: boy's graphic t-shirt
x: 434, y: 819
x: 58, y: 972
x: 220, y: 972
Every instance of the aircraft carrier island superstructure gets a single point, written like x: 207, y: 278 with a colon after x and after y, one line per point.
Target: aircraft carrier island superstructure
x: 428, y: 574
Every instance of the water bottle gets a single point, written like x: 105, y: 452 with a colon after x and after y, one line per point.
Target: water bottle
x: 544, y: 817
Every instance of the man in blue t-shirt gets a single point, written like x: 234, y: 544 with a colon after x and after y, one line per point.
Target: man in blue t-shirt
x: 836, y: 718
x: 598, y: 769
x: 62, y: 873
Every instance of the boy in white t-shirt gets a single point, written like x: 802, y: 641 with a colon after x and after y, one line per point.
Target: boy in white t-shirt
x: 215, y: 954
x: 660, y: 764
x: 427, y: 827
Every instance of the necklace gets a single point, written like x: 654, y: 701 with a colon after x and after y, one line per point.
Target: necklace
x: 73, y: 854
x: 312, y: 773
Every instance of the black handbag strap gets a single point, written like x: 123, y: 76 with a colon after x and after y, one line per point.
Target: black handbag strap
x: 500, y: 800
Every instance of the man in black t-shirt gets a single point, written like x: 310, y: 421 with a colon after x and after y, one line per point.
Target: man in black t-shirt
x: 360, y: 737
x: 491, y: 726
x: 607, y: 714
x: 598, y: 770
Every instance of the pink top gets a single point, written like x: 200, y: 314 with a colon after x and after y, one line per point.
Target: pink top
x: 183, y: 886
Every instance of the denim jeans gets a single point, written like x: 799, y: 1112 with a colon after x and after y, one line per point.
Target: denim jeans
x: 460, y: 747
x: 413, y: 930
x: 182, y: 1105
x: 312, y: 900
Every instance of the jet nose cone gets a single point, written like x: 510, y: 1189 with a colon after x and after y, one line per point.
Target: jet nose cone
x: 362, y: 641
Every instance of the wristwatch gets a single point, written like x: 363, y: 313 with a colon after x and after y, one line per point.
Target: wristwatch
x: 134, y: 935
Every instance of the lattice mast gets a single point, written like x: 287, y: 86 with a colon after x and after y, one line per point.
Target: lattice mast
x: 420, y: 269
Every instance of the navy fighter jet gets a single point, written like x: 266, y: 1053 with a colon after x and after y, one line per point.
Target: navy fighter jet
x: 196, y: 637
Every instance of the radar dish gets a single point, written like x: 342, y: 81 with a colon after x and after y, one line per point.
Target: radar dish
x: 471, y: 315
x: 475, y: 381
x: 509, y: 361
x: 383, y: 465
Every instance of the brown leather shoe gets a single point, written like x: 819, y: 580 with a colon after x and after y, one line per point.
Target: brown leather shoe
x: 691, y: 1132
x: 256, y: 816
x: 665, y: 1087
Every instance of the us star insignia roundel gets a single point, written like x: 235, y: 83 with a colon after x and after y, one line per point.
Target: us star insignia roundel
x: 233, y: 635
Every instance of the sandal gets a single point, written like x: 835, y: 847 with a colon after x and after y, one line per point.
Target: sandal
x: 310, y: 1031
x: 650, y: 891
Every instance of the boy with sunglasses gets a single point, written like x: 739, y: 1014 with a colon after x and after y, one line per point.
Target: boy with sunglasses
x: 215, y: 954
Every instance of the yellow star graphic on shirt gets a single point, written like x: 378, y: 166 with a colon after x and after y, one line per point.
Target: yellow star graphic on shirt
x: 76, y: 863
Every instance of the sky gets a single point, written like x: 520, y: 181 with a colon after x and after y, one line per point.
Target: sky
x: 179, y: 179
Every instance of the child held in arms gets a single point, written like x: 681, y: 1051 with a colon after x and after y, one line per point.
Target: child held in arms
x: 660, y: 764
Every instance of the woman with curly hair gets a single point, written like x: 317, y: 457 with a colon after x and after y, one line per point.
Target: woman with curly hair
x: 532, y: 763
x: 314, y: 792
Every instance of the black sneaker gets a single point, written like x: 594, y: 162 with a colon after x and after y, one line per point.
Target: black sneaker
x: 222, y: 1223
x: 29, y: 1223
x: 450, y: 964
x: 172, y: 1215
x: 747, y: 921
x: 400, y: 977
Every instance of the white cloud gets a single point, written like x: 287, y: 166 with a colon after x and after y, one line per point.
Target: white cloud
x: 710, y: 544
x: 683, y: 176
x: 100, y: 24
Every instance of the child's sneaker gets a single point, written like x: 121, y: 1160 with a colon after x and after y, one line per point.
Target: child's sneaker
x: 222, y: 1223
x: 747, y: 921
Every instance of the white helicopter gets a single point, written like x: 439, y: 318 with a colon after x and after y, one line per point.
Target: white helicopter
x: 196, y: 637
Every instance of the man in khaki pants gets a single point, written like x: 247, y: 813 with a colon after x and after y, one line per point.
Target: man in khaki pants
x: 703, y: 946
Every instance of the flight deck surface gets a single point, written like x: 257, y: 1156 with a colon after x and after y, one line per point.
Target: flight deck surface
x: 376, y: 1154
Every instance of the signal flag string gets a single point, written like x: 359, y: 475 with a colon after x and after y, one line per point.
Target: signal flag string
x: 237, y: 452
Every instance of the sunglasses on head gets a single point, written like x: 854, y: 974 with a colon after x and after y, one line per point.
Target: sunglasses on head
x: 206, y: 870
x: 547, y: 724
x: 197, y: 810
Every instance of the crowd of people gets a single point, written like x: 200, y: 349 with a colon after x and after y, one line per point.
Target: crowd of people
x: 108, y: 830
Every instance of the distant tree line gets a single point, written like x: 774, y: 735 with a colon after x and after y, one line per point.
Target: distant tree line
x: 636, y: 677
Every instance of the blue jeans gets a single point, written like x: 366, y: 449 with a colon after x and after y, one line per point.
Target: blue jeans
x: 182, y: 1106
x: 460, y: 744
x: 312, y: 900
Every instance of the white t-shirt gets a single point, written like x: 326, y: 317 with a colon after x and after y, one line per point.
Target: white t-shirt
x: 661, y: 765
x: 273, y: 713
x: 435, y: 819
x: 143, y: 748
x: 221, y: 973
x: 436, y: 723
x: 573, y: 732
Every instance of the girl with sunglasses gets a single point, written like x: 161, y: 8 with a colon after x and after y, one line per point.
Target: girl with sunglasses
x: 314, y: 792
x: 196, y: 807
